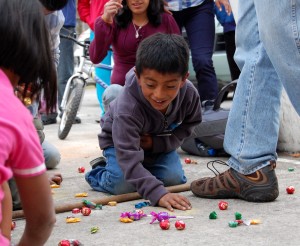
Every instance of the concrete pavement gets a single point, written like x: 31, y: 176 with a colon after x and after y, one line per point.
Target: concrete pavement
x: 279, y: 219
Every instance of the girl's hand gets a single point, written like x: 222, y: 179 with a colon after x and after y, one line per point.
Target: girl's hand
x: 111, y: 8
x: 173, y: 200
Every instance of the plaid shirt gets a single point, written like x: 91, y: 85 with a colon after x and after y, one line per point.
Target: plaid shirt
x: 177, y: 5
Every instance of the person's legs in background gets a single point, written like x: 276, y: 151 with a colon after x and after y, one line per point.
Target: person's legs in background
x: 199, y: 23
x: 65, y: 67
x: 265, y: 45
x: 229, y: 38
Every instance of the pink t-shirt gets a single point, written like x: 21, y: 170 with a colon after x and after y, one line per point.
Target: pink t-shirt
x: 20, y: 149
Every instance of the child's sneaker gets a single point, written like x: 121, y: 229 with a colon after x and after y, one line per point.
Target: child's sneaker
x: 99, y: 161
x: 261, y: 186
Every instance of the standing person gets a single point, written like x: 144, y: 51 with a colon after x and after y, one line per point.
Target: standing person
x: 268, y: 56
x: 147, y: 122
x: 228, y: 23
x: 88, y: 11
x: 197, y: 17
x: 124, y: 26
x: 23, y: 28
x: 65, y: 67
x: 55, y: 20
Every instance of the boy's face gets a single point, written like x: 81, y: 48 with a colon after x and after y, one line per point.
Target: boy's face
x: 160, y: 89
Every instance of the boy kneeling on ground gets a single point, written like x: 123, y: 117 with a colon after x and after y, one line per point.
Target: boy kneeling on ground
x: 147, y: 122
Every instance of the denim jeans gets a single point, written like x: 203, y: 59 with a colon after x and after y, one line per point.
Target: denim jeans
x: 199, y: 24
x: 66, y: 62
x: 165, y: 167
x: 268, y: 54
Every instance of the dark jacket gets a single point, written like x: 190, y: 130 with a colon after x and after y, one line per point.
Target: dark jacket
x: 131, y: 115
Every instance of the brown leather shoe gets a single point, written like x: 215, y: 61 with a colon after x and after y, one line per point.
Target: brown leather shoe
x: 260, y: 186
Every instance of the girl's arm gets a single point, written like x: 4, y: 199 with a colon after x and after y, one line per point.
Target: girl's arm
x: 5, y: 224
x: 38, y: 209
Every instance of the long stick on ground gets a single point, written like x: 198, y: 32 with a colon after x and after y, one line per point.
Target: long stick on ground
x: 61, y: 208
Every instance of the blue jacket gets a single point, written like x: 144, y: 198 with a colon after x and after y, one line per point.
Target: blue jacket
x: 69, y: 12
x: 227, y: 21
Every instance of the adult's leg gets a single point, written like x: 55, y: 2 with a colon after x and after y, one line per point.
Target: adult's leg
x: 65, y: 67
x: 252, y: 128
x: 199, y: 23
x: 230, y: 47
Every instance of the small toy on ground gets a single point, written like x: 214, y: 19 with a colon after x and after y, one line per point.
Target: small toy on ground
x: 238, y: 216
x: 94, y: 229
x: 83, y: 194
x: 86, y: 211
x: 223, y: 205
x: 142, y: 204
x: 128, y: 217
x: 90, y: 204
x: 291, y: 169
x: 290, y: 189
x: 165, y: 216
x: 112, y: 203
x: 76, y: 210
x: 179, y: 225
x: 190, y: 161
x: 81, y: 169
x: 233, y: 224
x: 72, y: 220
x: 54, y: 186
x: 213, y: 215
x: 164, y: 224
x: 69, y: 242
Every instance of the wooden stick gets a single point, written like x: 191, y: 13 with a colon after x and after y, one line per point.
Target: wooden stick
x: 61, y: 208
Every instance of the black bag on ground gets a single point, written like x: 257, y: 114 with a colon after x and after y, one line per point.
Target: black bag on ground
x: 208, y: 137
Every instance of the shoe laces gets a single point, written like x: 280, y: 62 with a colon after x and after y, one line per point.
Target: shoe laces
x: 211, y: 166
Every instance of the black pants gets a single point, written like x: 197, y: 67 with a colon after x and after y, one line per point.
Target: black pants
x: 229, y: 38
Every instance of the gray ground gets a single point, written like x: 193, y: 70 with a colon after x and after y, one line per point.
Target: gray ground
x: 279, y: 220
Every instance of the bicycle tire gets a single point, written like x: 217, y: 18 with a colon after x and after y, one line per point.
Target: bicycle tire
x: 72, y: 105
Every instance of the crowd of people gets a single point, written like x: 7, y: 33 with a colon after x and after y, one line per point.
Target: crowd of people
x: 154, y: 108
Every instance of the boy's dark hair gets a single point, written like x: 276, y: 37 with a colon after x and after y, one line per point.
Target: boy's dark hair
x: 155, y: 8
x: 25, y: 48
x: 53, y: 5
x: 165, y: 53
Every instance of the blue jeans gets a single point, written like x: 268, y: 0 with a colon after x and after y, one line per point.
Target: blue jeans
x: 199, y: 24
x: 65, y: 67
x: 165, y: 167
x: 268, y: 54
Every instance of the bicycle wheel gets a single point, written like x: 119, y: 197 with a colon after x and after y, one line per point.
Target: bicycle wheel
x: 72, y: 105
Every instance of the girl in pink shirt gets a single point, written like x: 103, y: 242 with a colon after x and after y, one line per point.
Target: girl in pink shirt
x: 25, y: 57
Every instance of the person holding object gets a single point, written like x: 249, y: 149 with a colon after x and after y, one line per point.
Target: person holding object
x: 123, y: 25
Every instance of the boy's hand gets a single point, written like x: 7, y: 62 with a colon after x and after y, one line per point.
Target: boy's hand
x: 55, y: 179
x: 146, y: 142
x: 173, y: 200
